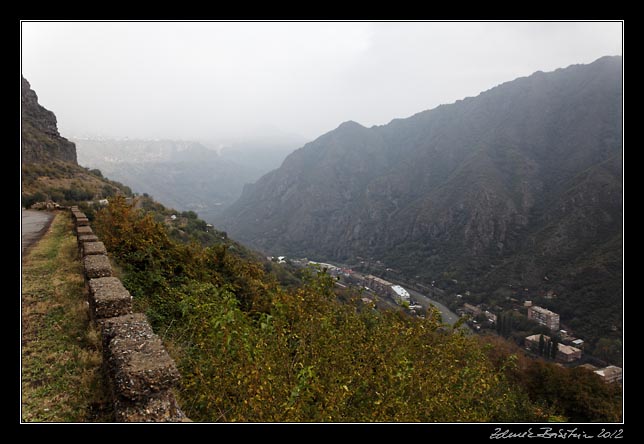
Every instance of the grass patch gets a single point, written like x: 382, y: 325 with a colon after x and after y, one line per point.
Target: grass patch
x: 62, y: 379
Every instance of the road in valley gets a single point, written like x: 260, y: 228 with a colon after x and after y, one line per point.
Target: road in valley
x: 449, y: 317
x: 34, y: 224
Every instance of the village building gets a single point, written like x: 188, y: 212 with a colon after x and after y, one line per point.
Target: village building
x: 471, y: 309
x: 565, y: 353
x: 377, y: 284
x: 399, y: 294
x: 610, y: 374
x: 544, y: 317
x: 491, y: 317
x: 578, y: 343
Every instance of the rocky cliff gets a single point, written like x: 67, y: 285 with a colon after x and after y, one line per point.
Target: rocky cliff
x: 41, y: 141
x: 50, y: 173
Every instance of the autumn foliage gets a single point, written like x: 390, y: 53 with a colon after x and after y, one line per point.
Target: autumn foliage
x: 250, y: 350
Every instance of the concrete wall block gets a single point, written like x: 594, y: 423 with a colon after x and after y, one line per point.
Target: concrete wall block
x: 97, y: 266
x: 126, y: 325
x: 86, y: 238
x: 140, y: 371
x: 82, y: 222
x: 84, y: 230
x: 140, y: 366
x: 161, y: 407
x: 90, y: 248
x: 108, y: 298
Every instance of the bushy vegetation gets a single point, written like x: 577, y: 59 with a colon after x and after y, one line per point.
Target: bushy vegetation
x: 567, y: 394
x: 249, y: 350
x: 66, y: 184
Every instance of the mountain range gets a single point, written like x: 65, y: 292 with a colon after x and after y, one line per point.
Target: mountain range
x: 518, y: 187
x: 202, y: 289
x: 184, y: 175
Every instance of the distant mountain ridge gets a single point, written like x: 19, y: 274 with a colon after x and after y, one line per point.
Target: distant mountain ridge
x: 521, y: 184
x: 41, y: 141
x: 180, y: 174
x: 185, y: 175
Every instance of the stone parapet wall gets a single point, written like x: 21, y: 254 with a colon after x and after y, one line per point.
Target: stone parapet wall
x: 141, y: 374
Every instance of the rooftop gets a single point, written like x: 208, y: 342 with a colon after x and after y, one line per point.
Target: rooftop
x: 568, y: 350
x: 535, y: 338
x: 609, y: 371
x: 400, y: 291
x: 381, y: 281
x: 542, y: 310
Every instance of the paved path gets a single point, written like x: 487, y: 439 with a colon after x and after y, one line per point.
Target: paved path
x: 34, y: 224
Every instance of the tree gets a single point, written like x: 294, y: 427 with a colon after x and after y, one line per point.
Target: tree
x: 504, y: 324
x: 548, y: 349
x: 609, y: 350
x: 554, y: 348
x: 576, y: 394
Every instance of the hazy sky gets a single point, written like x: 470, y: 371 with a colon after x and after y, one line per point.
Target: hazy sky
x: 212, y: 80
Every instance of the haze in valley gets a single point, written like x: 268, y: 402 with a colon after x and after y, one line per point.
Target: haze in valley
x: 221, y: 82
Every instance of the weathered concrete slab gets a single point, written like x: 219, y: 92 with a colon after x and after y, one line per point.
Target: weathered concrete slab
x: 86, y: 238
x: 96, y: 266
x: 84, y: 230
x: 108, y: 298
x: 90, y: 248
x: 138, y: 363
x: 125, y: 325
x: 82, y: 222
x: 161, y: 407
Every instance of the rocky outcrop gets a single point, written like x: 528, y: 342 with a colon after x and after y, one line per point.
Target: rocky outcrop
x: 41, y: 141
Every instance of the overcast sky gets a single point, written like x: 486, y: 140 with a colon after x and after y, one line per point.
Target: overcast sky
x: 215, y: 80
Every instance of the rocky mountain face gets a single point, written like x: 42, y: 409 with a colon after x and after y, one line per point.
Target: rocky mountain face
x: 50, y: 174
x: 521, y: 185
x: 41, y: 141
